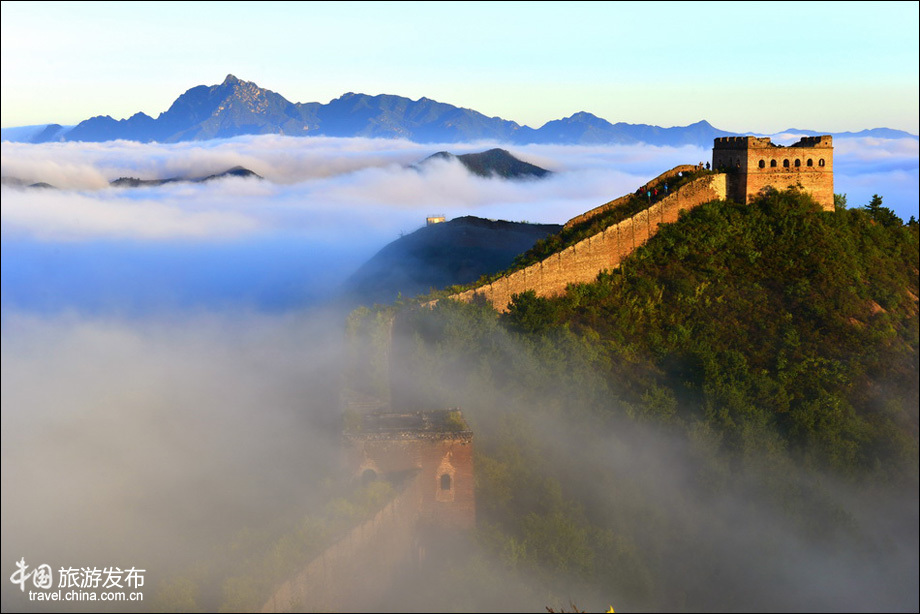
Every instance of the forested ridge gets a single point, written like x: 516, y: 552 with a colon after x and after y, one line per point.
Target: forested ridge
x: 747, y: 379
x: 726, y: 422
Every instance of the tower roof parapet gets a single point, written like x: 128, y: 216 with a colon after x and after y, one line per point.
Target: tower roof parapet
x: 416, y: 425
x: 824, y: 140
x: 756, y: 142
x: 742, y: 142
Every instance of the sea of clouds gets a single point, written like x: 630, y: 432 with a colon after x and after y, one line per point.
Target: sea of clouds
x: 326, y: 205
x: 165, y: 357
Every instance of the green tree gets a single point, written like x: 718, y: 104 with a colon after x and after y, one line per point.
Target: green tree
x: 882, y: 215
x: 529, y: 313
x: 840, y: 202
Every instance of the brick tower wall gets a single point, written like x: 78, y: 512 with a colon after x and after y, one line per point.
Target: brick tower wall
x: 427, y: 457
x: 754, y: 163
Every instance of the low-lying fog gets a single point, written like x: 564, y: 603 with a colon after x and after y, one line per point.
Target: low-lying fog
x: 166, y: 360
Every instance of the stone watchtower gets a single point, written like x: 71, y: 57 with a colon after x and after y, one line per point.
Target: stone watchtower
x: 754, y: 163
x: 429, y: 451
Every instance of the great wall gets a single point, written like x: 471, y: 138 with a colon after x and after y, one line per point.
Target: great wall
x: 428, y: 455
x: 581, y: 262
x: 743, y: 167
x: 353, y: 571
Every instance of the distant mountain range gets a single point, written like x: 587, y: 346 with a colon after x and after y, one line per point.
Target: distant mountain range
x: 237, y: 107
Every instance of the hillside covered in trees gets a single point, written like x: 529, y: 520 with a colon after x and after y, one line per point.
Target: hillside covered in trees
x: 728, y: 421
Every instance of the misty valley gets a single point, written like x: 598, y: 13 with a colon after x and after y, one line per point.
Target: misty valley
x: 240, y: 365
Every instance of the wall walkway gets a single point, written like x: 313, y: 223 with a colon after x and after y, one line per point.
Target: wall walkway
x: 581, y: 262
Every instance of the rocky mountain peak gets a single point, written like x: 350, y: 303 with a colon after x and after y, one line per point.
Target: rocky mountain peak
x: 236, y: 107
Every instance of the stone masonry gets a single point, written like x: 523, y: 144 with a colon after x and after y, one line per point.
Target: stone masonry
x: 581, y: 263
x: 754, y: 163
x: 434, y: 448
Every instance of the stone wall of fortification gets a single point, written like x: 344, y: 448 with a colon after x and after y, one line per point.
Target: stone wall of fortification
x: 351, y: 574
x: 581, y: 263
x: 584, y: 217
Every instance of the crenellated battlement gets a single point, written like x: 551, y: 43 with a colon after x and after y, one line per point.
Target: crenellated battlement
x: 742, y: 142
x: 815, y: 141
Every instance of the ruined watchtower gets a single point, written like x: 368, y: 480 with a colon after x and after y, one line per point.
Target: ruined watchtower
x: 753, y: 163
x: 430, y: 452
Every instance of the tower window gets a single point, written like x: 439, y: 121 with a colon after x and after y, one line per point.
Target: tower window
x: 821, y: 162
x: 798, y: 163
x: 809, y: 163
x: 785, y: 163
x: 772, y: 163
x: 762, y: 164
x: 445, y: 481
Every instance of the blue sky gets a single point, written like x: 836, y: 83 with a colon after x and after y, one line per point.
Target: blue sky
x: 754, y: 66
